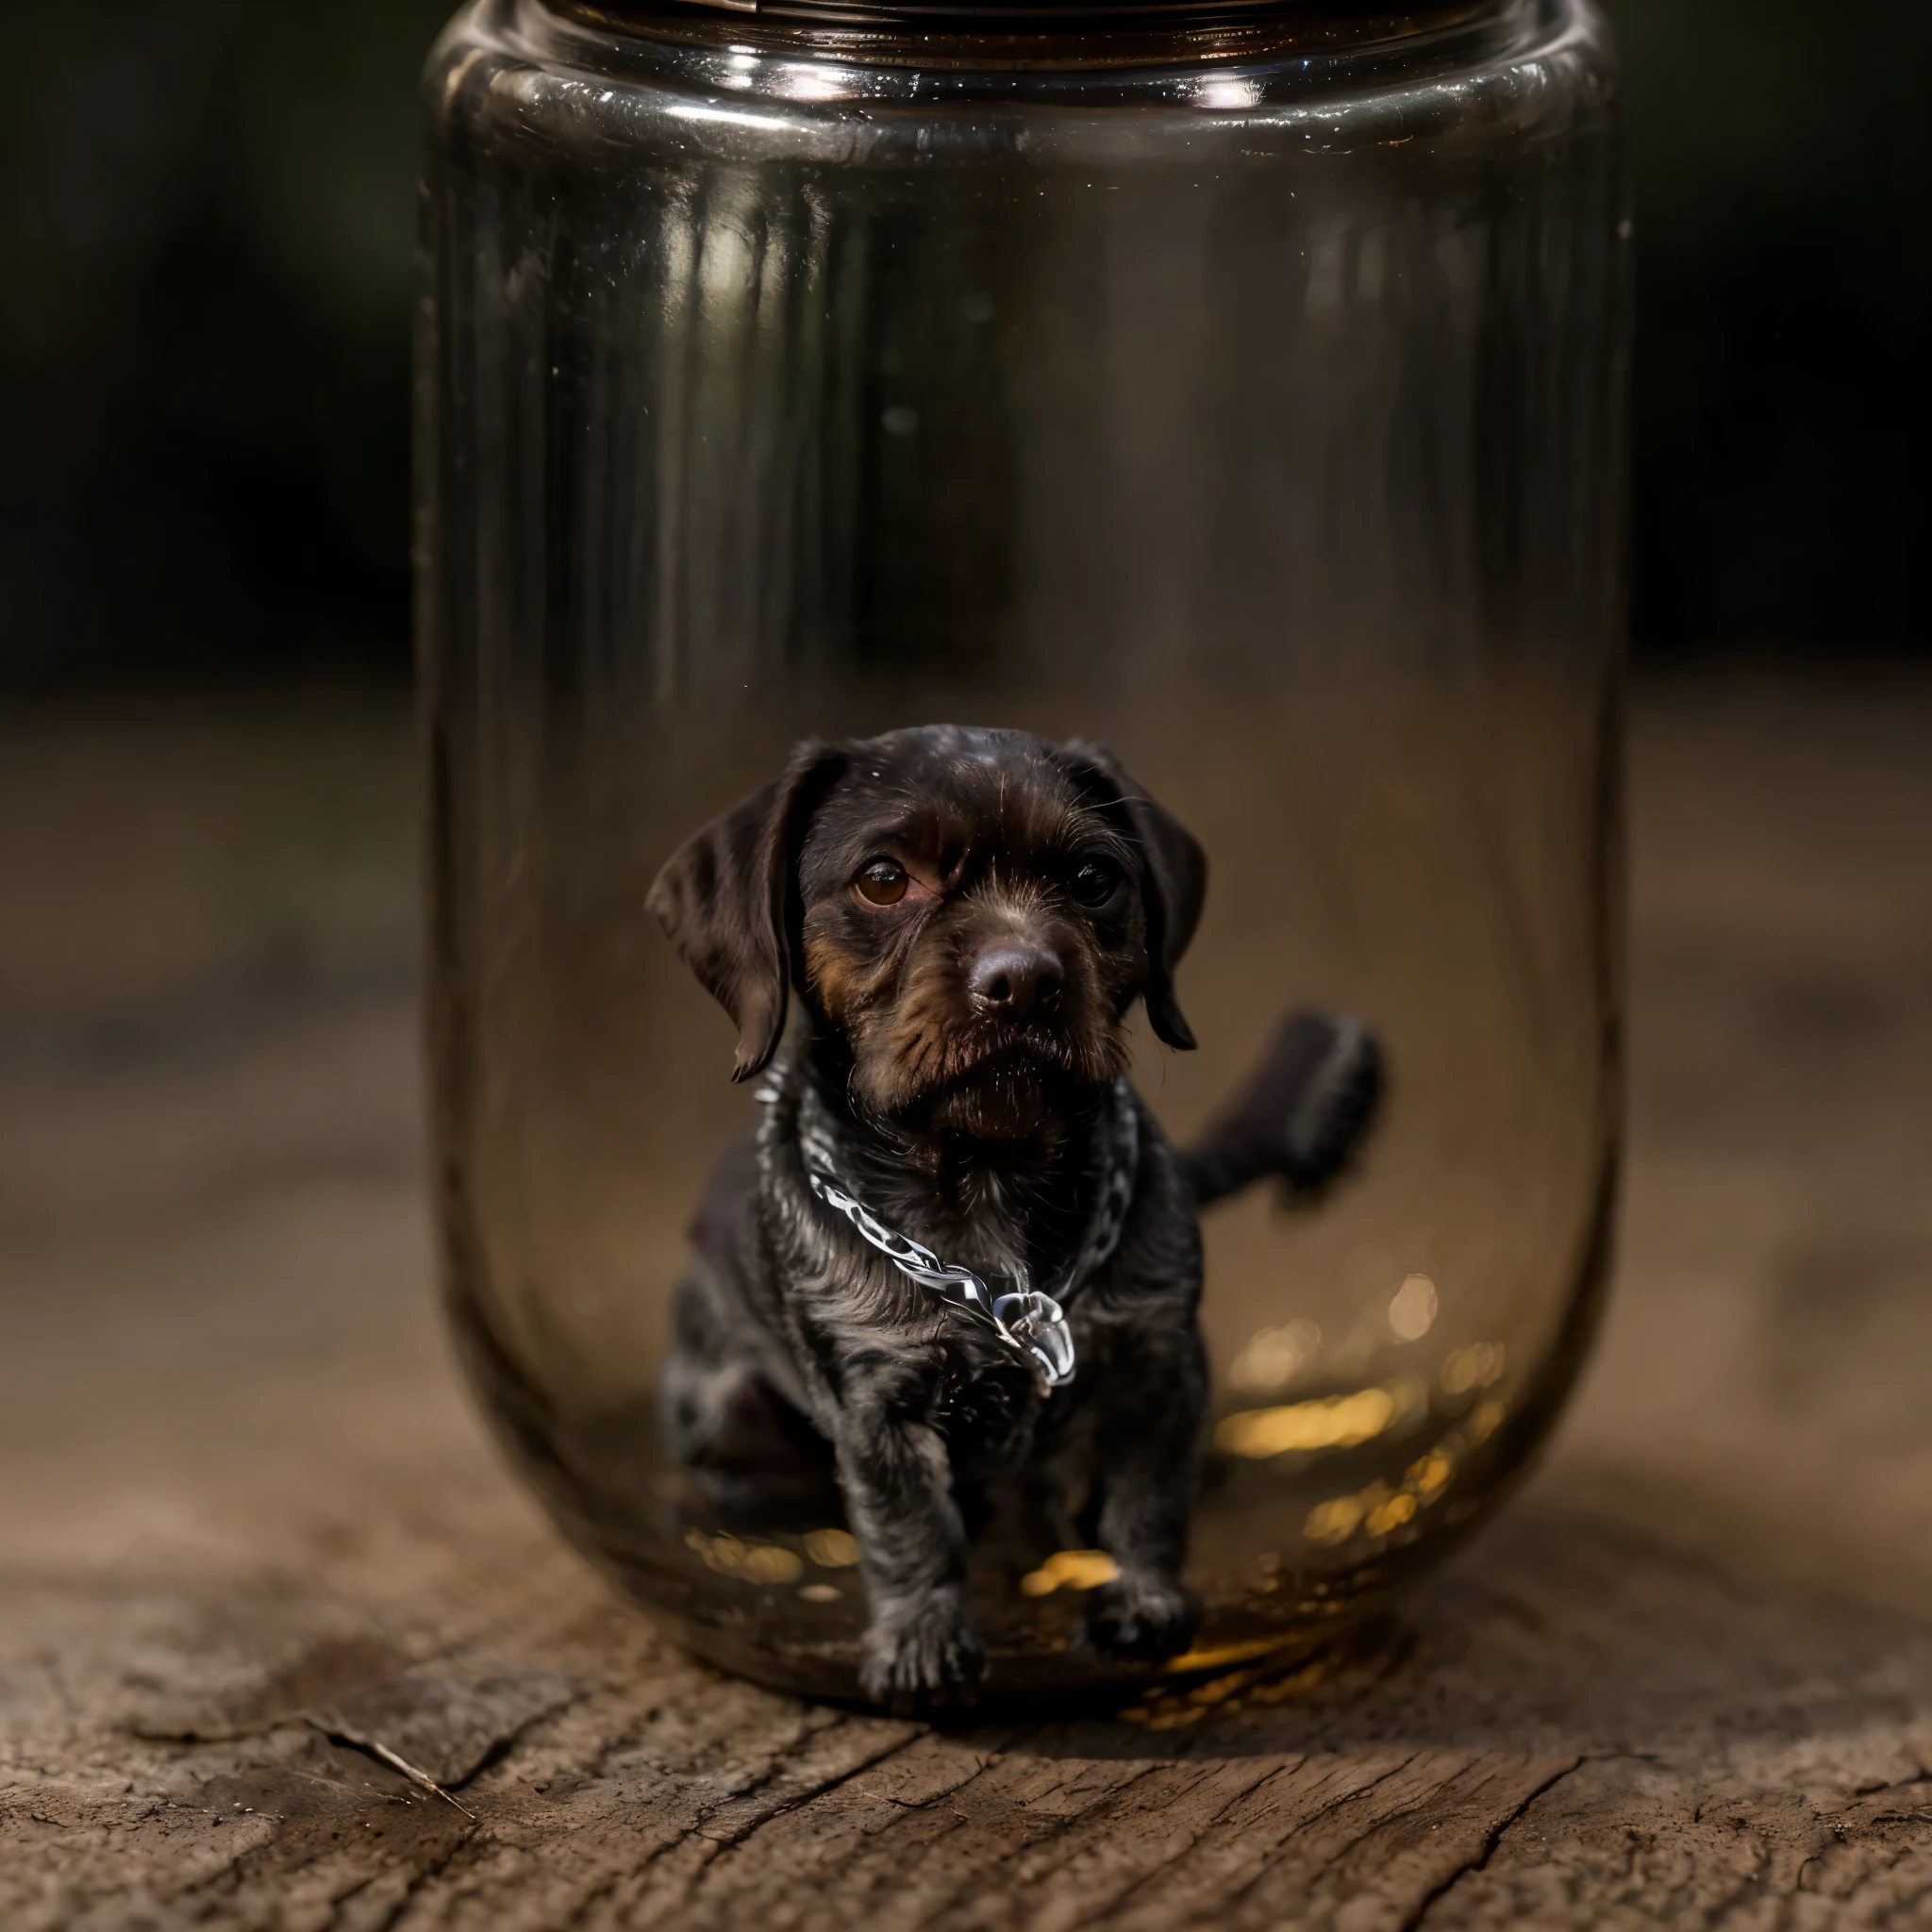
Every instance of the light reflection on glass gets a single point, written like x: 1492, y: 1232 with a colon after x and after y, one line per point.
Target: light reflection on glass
x: 729, y: 1555
x: 1275, y: 1357
x: 800, y: 82
x: 1070, y: 1569
x: 1486, y: 1421
x: 832, y: 1549
x: 1412, y: 1313
x: 1475, y: 1366
x: 1330, y: 1422
x: 1391, y: 1514
x: 1227, y: 91
x: 1381, y: 1508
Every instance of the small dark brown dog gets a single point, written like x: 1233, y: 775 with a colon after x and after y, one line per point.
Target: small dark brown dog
x: 953, y: 1198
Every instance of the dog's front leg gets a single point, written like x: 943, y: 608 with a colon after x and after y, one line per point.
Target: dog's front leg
x: 1148, y: 1459
x: 919, y: 1645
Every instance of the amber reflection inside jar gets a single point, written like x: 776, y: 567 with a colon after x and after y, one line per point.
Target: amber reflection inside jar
x: 1244, y: 393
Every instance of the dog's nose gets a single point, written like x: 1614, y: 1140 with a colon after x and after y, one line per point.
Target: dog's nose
x: 1015, y: 980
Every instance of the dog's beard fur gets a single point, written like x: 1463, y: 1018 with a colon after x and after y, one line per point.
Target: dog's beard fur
x: 1009, y: 1088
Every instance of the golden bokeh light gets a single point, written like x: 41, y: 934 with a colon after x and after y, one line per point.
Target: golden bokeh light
x: 1330, y: 1422
x: 1275, y: 1357
x: 1070, y: 1569
x: 1484, y: 1422
x: 1335, y: 1521
x: 832, y: 1549
x: 1475, y: 1366
x: 730, y: 1556
x: 1412, y: 1313
x: 1392, y: 1514
x: 1378, y: 1509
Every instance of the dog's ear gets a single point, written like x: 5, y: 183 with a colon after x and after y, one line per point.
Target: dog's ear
x: 1173, y: 876
x: 727, y: 900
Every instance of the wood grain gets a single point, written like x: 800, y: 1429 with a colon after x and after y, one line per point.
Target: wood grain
x: 250, y: 1531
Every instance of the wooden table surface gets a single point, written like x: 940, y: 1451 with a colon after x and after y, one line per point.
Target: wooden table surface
x: 1686, y: 1680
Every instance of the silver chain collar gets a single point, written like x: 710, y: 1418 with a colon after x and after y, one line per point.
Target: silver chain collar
x: 1033, y: 1325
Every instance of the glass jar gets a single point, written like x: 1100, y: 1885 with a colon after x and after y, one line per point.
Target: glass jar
x: 1240, y: 386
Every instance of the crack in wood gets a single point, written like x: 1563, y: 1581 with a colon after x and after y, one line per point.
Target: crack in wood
x: 1491, y: 1838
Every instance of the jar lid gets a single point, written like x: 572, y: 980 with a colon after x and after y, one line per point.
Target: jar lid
x: 1039, y: 16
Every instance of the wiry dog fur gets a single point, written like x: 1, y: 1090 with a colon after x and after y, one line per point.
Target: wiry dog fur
x: 964, y: 919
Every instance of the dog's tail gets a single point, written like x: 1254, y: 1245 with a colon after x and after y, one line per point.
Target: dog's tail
x: 1301, y: 1115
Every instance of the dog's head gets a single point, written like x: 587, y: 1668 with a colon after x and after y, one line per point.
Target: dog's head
x: 971, y: 912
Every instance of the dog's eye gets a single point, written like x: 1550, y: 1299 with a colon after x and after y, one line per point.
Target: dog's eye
x: 1096, y: 882
x: 882, y: 883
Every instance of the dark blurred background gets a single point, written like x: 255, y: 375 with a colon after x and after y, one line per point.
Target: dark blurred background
x: 205, y: 331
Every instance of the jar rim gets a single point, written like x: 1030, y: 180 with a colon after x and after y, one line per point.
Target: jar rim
x: 1019, y: 19
x: 1019, y: 36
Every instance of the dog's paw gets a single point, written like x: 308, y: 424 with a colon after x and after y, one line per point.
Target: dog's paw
x: 923, y: 1655
x: 1142, y: 1614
